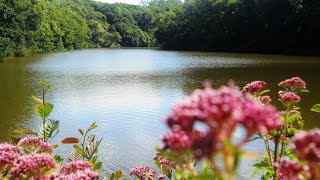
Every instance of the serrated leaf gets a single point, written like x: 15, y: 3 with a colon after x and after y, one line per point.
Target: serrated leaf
x: 90, y: 139
x: 316, y: 108
x: 73, y: 155
x: 78, y: 149
x: 81, y: 132
x: 51, y: 128
x: 37, y: 100
x: 93, y: 126
x: 92, y: 148
x: 109, y: 177
x: 70, y: 140
x: 43, y: 110
x: 25, y: 132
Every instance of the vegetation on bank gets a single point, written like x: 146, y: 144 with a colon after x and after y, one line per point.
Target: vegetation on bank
x: 202, y: 128
x: 268, y: 26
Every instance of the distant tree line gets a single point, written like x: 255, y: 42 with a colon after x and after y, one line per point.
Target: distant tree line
x: 267, y: 26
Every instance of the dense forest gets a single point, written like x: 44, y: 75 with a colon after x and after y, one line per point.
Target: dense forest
x: 265, y: 26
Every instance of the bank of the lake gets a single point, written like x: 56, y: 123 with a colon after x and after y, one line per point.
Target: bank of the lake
x: 128, y: 91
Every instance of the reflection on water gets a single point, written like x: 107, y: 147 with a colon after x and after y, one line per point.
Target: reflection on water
x: 128, y: 91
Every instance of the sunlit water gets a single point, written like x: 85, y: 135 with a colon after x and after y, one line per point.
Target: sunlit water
x: 128, y: 92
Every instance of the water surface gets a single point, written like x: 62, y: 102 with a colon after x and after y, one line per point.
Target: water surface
x: 128, y: 91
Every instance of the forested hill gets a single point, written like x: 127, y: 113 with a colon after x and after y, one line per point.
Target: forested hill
x: 267, y: 26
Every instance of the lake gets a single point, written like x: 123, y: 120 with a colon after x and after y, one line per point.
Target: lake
x: 128, y: 92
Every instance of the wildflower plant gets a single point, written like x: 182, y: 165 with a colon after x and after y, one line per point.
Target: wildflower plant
x: 220, y: 112
x: 49, y: 128
x: 276, y: 141
x: 86, y: 149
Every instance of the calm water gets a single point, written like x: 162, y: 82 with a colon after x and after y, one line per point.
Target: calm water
x: 128, y: 91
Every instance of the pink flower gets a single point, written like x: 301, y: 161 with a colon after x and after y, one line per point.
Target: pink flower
x: 76, y: 170
x: 75, y: 166
x: 177, y: 141
x: 34, y: 144
x: 161, y: 176
x: 8, y: 154
x: 83, y: 175
x: 211, y: 106
x: 142, y: 172
x: 254, y: 87
x: 166, y: 163
x: 290, y: 113
x: 264, y: 99
x: 306, y: 145
x: 259, y: 118
x: 220, y: 111
x: 289, y: 170
x: 294, y: 83
x: 33, y: 165
x: 205, y: 143
x: 289, y: 98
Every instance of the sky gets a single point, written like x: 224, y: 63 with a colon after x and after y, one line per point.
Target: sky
x: 136, y: 2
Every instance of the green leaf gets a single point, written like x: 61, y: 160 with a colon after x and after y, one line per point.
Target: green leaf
x: 43, y: 110
x: 304, y: 91
x: 93, y: 126
x: 25, y: 132
x: 51, y: 128
x: 37, y: 100
x: 316, y: 108
x: 97, y: 166
x: 70, y: 140
x: 78, y: 149
x: 264, y: 92
x: 58, y: 159
x: 45, y: 85
x: 118, y: 174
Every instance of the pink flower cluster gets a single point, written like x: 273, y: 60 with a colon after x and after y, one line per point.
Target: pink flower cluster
x: 178, y: 141
x: 289, y: 169
x: 306, y: 145
x: 76, y: 170
x: 259, y: 118
x: 289, y: 98
x: 8, y: 154
x: 292, y: 84
x: 254, y: 87
x: 33, y: 165
x: 40, y: 166
x: 220, y: 110
x: 166, y: 163
x: 35, y: 144
x: 143, y: 173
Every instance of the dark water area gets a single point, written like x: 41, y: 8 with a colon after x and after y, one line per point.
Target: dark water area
x: 128, y: 92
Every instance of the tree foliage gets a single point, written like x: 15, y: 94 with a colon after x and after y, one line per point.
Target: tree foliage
x: 267, y: 26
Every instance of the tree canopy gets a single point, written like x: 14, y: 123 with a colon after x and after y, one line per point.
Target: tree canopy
x: 267, y: 26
